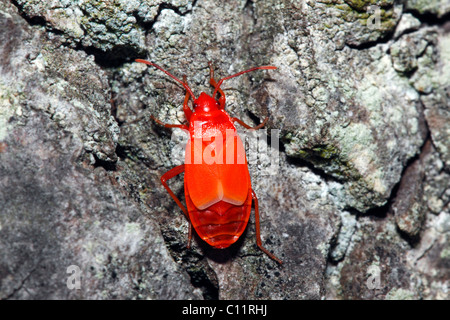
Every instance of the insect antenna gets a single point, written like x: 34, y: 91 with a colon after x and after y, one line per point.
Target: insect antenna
x: 169, y: 74
x: 240, y: 73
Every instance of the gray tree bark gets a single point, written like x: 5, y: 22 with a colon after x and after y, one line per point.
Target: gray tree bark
x: 356, y: 206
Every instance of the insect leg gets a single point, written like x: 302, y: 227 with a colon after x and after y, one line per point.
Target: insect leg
x: 168, y: 73
x: 214, y: 84
x: 242, y: 123
x: 167, y: 176
x: 168, y: 125
x: 239, y: 73
x: 187, y: 113
x: 186, y: 109
x: 258, y: 233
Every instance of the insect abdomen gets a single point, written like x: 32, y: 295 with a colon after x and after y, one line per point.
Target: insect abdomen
x: 221, y: 224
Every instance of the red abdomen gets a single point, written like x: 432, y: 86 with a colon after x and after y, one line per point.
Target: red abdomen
x: 221, y: 224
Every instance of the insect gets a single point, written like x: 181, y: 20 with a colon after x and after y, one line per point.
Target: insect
x: 217, y: 182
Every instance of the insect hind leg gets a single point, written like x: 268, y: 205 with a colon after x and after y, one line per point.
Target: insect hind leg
x: 258, y: 232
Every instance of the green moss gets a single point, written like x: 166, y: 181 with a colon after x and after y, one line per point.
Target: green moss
x: 327, y: 157
x: 353, y: 10
x: 362, y: 5
x: 326, y: 151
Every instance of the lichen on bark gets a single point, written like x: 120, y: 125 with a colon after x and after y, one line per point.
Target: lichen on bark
x: 357, y: 206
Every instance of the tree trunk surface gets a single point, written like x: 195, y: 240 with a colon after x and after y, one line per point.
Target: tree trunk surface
x: 352, y: 170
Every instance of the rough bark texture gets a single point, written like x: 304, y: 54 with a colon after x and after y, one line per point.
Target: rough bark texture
x: 358, y: 206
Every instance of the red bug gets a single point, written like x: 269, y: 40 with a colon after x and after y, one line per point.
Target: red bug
x: 217, y: 187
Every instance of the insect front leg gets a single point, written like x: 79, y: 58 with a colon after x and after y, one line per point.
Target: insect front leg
x: 242, y: 123
x: 187, y: 113
x: 168, y: 125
